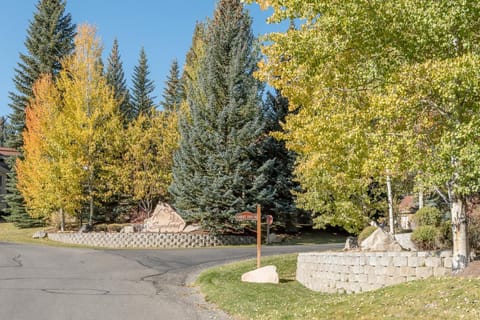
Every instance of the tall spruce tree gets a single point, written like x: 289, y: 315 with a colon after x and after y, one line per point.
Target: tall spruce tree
x: 215, y: 174
x: 173, y: 91
x: 143, y: 87
x: 49, y: 39
x: 116, y: 78
x: 280, y: 176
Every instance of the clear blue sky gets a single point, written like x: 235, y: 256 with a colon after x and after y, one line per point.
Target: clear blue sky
x: 163, y: 27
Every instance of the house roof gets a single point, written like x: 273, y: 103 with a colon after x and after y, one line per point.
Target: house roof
x: 6, y: 152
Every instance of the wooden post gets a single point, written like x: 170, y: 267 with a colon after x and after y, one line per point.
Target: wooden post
x: 259, y: 235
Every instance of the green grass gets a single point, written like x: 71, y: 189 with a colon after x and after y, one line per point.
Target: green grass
x: 10, y: 233
x: 442, y: 298
x: 314, y: 237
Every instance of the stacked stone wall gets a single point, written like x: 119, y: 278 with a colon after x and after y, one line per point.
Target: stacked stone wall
x: 149, y: 240
x: 351, y: 272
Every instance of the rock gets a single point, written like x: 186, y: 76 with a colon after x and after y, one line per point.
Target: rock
x: 405, y: 241
x: 127, y: 229
x: 379, y: 240
x: 85, y: 228
x: 267, y: 274
x: 192, y: 228
x: 351, y: 243
x: 39, y: 235
x: 274, y: 238
x: 164, y: 219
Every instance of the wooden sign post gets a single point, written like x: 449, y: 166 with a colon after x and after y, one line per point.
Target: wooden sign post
x: 246, y: 216
x: 259, y: 235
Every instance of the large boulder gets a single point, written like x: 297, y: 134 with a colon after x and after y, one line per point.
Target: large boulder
x: 267, y: 274
x: 164, y: 219
x: 379, y: 240
x: 404, y: 239
x: 39, y: 235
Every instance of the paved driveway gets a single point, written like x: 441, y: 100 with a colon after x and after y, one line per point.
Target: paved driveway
x: 38, y: 282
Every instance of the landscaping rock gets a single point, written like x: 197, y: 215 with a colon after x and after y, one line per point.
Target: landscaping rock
x: 127, y: 229
x: 192, y: 228
x: 379, y: 240
x: 404, y: 239
x: 39, y: 235
x: 85, y: 228
x: 164, y: 219
x: 267, y: 274
x: 274, y: 238
x: 351, y: 243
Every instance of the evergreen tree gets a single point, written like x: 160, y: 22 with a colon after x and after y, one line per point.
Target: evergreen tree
x: 280, y: 176
x: 215, y: 175
x: 116, y: 78
x: 49, y: 39
x: 141, y: 98
x: 173, y: 92
x: 4, y: 131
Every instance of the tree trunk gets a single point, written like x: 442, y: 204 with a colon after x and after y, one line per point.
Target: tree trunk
x: 62, y: 220
x: 460, y: 240
x: 420, y: 198
x: 390, y: 205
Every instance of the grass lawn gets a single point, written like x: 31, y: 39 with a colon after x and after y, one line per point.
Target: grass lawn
x: 443, y: 298
x: 10, y: 233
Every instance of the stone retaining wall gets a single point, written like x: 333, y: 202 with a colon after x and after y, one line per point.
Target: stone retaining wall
x: 149, y: 240
x: 351, y: 272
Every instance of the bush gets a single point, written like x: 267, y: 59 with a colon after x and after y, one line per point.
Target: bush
x: 114, y: 227
x: 366, y: 233
x: 425, y: 237
x: 428, y: 216
x: 474, y: 230
x: 445, y: 235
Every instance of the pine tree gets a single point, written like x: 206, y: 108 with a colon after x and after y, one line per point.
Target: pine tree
x: 280, y: 176
x: 141, y: 98
x: 215, y: 175
x: 116, y: 78
x: 49, y: 39
x: 173, y: 92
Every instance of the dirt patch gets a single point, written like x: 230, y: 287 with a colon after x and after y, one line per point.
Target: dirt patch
x: 472, y: 270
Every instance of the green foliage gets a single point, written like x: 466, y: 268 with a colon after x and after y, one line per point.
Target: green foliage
x: 49, y: 39
x: 445, y: 236
x: 425, y: 237
x: 173, y: 93
x: 215, y: 174
x: 371, y: 99
x: 141, y: 97
x: 428, y: 216
x: 474, y: 230
x: 366, y: 233
x: 116, y: 78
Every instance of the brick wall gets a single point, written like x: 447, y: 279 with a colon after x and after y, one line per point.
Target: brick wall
x: 149, y: 240
x: 351, y: 272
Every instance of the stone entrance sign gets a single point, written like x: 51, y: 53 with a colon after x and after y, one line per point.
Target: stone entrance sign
x: 164, y: 219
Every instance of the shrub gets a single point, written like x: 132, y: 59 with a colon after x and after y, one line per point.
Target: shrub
x: 445, y: 235
x: 474, y: 230
x: 114, y: 227
x: 428, y: 216
x: 425, y: 237
x: 366, y: 233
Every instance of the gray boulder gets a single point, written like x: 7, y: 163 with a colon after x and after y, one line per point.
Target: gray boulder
x: 351, y: 243
x: 39, y: 235
x: 404, y: 239
x: 379, y: 240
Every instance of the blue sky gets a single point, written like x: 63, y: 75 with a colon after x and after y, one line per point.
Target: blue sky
x: 163, y: 27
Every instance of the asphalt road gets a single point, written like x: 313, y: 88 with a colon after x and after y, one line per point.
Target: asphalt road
x: 47, y: 283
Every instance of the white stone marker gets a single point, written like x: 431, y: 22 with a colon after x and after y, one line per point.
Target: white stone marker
x: 267, y: 274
